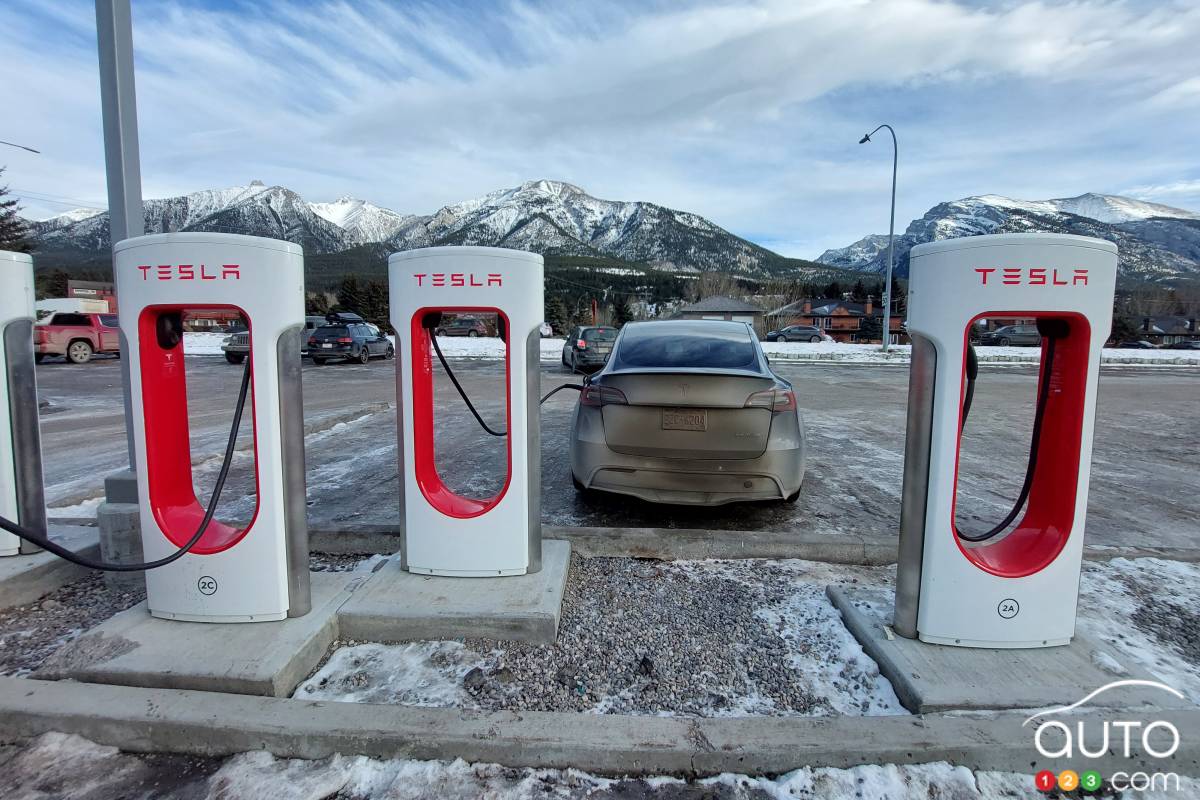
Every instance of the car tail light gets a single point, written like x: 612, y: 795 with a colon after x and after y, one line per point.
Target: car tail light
x: 581, y: 344
x: 774, y: 399
x: 596, y: 396
x: 312, y: 340
x: 345, y: 340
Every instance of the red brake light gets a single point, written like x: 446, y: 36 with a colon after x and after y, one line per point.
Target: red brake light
x: 773, y: 399
x: 596, y: 396
x: 345, y: 340
x: 581, y: 344
x: 312, y: 340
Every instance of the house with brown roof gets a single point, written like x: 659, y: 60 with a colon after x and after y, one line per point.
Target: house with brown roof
x: 843, y: 320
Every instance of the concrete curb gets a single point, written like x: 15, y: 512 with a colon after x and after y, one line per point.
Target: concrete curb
x: 672, y: 544
x: 24, y: 579
x: 213, y: 724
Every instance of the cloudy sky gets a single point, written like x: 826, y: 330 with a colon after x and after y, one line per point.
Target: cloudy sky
x: 746, y: 112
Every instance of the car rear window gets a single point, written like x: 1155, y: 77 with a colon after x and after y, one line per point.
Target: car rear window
x: 331, y: 330
x: 600, y: 335
x: 109, y: 320
x: 71, y: 319
x: 687, y: 345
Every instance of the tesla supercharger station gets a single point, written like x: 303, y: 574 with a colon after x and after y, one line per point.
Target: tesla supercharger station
x: 1019, y: 586
x: 446, y: 533
x: 21, y: 493
x: 251, y: 572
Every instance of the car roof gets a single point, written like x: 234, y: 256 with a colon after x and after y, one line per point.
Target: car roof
x: 687, y: 325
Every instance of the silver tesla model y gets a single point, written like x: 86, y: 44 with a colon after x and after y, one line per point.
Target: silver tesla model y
x: 688, y: 412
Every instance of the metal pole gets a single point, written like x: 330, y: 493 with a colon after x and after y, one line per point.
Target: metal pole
x: 887, y: 291
x: 118, y: 103
x: 118, y: 516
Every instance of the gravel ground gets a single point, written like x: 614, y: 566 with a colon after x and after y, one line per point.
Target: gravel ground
x: 29, y: 634
x: 640, y: 637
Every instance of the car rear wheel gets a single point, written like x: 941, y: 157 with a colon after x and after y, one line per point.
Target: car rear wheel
x: 390, y: 354
x: 1003, y: 341
x: 793, y: 497
x: 39, y: 358
x: 364, y: 356
x: 814, y: 339
x: 472, y: 334
x: 79, y: 352
x: 234, y: 358
x: 582, y: 490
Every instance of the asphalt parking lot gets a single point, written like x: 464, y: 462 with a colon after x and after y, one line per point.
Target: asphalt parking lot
x: 1145, y: 484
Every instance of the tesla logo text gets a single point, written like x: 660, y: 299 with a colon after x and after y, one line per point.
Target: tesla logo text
x: 1033, y: 276
x: 458, y: 279
x: 191, y: 272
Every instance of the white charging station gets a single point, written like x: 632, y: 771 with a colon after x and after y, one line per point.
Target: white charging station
x: 446, y: 533
x: 1020, y: 587
x: 21, y: 494
x: 258, y: 570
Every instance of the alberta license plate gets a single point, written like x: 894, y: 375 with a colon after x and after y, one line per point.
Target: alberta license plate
x: 685, y: 419
x: 327, y: 346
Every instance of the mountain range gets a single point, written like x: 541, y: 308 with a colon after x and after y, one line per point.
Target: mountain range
x: 1156, y: 243
x: 548, y: 217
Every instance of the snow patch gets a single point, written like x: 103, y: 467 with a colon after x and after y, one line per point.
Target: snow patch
x: 426, y: 674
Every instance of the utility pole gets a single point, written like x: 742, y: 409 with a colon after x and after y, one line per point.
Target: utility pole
x: 887, y: 292
x: 120, y: 536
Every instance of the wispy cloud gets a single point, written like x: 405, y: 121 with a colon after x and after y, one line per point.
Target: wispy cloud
x: 746, y: 112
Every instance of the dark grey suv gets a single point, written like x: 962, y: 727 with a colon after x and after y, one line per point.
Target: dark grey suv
x: 1015, y: 335
x: 795, y: 333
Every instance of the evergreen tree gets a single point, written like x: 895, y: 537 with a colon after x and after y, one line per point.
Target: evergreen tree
x: 859, y: 293
x: 316, y: 303
x: 50, y: 283
x: 833, y: 291
x: 376, y: 305
x: 14, y: 233
x: 871, y: 330
x: 556, y: 313
x: 622, y: 312
x: 350, y: 294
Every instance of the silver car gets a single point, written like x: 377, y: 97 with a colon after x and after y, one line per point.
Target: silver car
x: 688, y: 412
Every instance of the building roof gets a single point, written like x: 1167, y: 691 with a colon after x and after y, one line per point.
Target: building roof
x: 720, y: 305
x: 825, y: 307
x: 1169, y: 325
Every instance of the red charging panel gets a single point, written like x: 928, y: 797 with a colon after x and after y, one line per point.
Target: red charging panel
x: 168, y: 466
x: 435, y: 490
x: 1043, y: 531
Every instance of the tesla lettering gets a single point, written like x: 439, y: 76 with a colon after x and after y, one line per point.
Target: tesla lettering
x: 1033, y: 276
x: 458, y: 279
x: 191, y: 272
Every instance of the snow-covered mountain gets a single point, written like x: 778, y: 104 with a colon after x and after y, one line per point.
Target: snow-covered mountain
x: 549, y: 217
x: 1156, y: 242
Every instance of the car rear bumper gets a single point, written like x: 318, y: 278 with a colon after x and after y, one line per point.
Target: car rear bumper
x: 774, y: 475
x: 337, y: 351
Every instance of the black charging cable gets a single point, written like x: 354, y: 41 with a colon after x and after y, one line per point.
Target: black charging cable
x: 430, y: 322
x: 1051, y: 330
x: 44, y: 542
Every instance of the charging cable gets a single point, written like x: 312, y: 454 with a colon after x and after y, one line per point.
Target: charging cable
x: 1051, y: 330
x: 43, y: 541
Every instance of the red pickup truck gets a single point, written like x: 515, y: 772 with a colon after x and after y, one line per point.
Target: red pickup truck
x: 76, y: 336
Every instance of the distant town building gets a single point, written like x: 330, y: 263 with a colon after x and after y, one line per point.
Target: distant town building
x: 843, y: 320
x: 1168, y: 329
x: 725, y: 308
x: 94, y: 290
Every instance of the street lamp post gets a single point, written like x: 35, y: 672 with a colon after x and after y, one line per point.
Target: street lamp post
x: 887, y: 291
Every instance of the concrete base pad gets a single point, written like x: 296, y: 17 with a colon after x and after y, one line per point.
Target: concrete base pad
x: 394, y: 605
x: 261, y: 658
x: 930, y: 678
x: 24, y: 579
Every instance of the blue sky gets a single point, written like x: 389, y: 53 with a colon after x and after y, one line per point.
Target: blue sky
x: 748, y: 113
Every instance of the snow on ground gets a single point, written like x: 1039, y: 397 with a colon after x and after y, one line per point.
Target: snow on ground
x: 690, y: 638
x: 59, y: 765
x: 414, y: 674
x: 1145, y: 608
x: 209, y: 344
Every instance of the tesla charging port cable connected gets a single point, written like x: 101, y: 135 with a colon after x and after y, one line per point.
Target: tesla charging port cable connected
x: 43, y: 541
x: 430, y: 323
x: 1051, y: 330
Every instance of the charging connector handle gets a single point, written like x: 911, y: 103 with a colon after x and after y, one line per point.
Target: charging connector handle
x: 43, y: 541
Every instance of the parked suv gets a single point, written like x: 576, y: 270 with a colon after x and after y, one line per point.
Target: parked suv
x: 588, y: 348
x: 76, y: 336
x: 1021, y: 335
x: 237, y: 344
x: 795, y: 333
x: 463, y: 326
x: 348, y: 337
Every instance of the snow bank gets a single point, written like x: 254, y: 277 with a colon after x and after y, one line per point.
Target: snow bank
x: 416, y: 674
x: 485, y: 347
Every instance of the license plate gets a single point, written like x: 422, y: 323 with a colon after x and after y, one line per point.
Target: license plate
x: 327, y: 346
x: 685, y: 419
